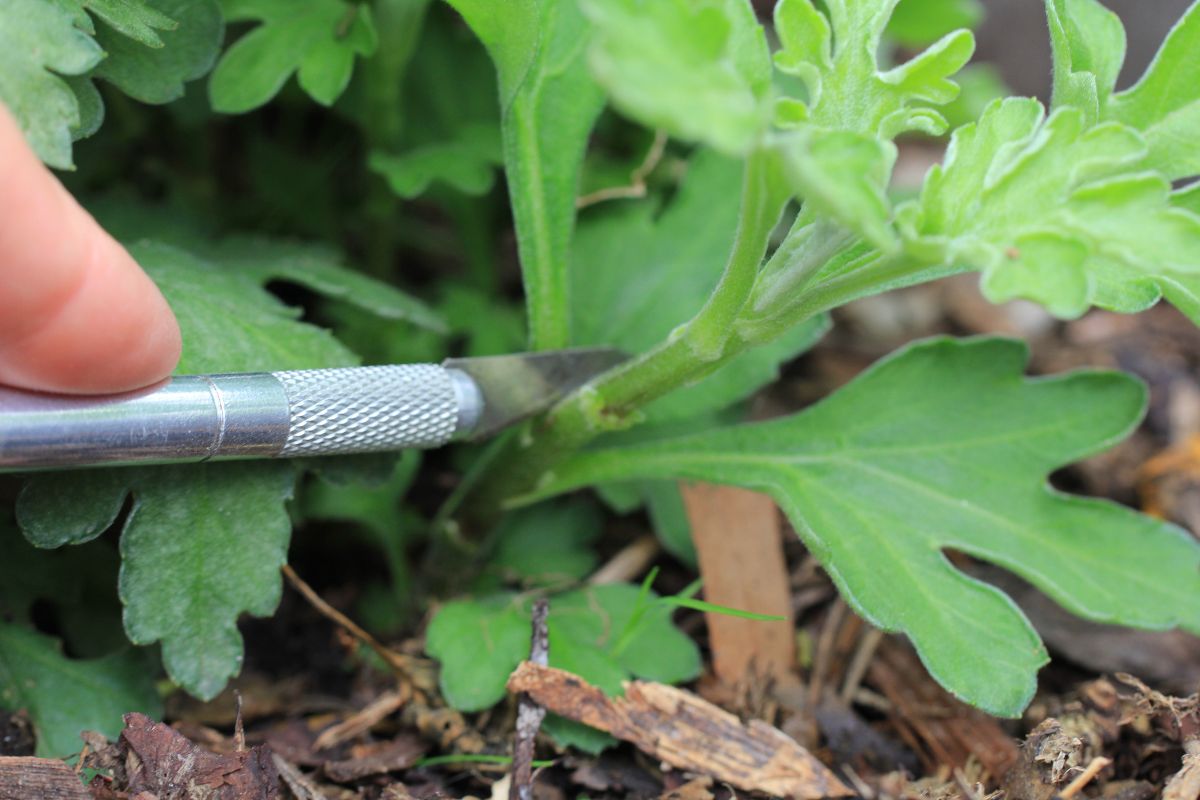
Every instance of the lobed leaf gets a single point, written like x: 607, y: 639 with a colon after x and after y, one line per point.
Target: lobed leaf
x: 316, y: 40
x: 39, y: 41
x: 835, y: 55
x: 51, y: 49
x: 1054, y: 210
x: 202, y: 543
x: 65, y: 696
x: 945, y: 446
x: 186, y: 51
x: 1165, y: 104
x: 1088, y: 43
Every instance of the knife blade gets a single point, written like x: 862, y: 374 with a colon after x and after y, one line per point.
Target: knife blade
x: 297, y: 413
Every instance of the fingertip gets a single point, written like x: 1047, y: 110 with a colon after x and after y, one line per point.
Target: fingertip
x: 114, y: 332
x: 77, y: 313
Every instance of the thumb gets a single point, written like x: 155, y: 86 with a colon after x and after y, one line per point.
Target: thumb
x: 77, y: 314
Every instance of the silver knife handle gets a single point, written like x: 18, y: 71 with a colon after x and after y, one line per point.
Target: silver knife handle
x: 279, y: 414
x: 369, y: 409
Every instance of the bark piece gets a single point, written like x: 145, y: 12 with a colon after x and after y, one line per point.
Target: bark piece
x: 942, y: 730
x: 738, y: 538
x: 26, y: 778
x: 167, y: 766
x: 685, y: 731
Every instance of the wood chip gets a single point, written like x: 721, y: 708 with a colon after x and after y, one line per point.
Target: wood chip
x: 376, y: 758
x: 1185, y: 784
x: 26, y: 778
x: 689, y: 733
x: 739, y: 545
x: 941, y: 729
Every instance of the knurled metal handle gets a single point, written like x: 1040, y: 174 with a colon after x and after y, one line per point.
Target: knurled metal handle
x: 279, y: 414
x: 369, y: 409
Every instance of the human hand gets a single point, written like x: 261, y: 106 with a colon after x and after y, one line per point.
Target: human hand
x: 77, y: 314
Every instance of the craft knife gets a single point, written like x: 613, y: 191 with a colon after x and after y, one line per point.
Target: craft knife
x: 290, y: 414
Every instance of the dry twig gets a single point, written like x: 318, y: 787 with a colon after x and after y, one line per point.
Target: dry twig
x: 637, y: 179
x: 529, y: 712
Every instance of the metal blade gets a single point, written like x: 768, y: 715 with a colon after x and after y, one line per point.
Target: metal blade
x: 518, y: 386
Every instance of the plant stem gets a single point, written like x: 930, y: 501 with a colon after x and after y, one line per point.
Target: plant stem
x: 543, y: 263
x: 763, y: 199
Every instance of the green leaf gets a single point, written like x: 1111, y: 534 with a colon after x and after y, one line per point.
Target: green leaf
x: 698, y: 70
x: 65, y: 697
x: 185, y: 51
x: 39, y: 42
x: 203, y: 543
x: 946, y: 446
x: 52, y: 48
x: 547, y: 545
x: 480, y: 642
x: 548, y: 104
x: 1165, y: 104
x: 1053, y: 210
x: 321, y: 269
x: 318, y: 40
x: 1089, y: 47
x: 466, y: 164
x: 918, y: 23
x: 845, y: 176
x: 133, y: 19
x: 75, y: 589
x: 834, y: 54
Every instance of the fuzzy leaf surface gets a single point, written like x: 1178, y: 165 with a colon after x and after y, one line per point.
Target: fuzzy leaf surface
x: 316, y: 40
x: 593, y: 633
x: 186, y: 51
x: 322, y: 270
x: 834, y: 53
x: 1054, y: 210
x: 1165, y: 104
x: 698, y: 70
x: 947, y: 446
x: 39, y: 42
x: 549, y: 104
x: 65, y: 696
x: 203, y: 543
x: 50, y: 50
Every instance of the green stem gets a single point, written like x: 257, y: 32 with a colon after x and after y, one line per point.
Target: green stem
x: 696, y: 349
x: 764, y: 197
x: 543, y: 264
